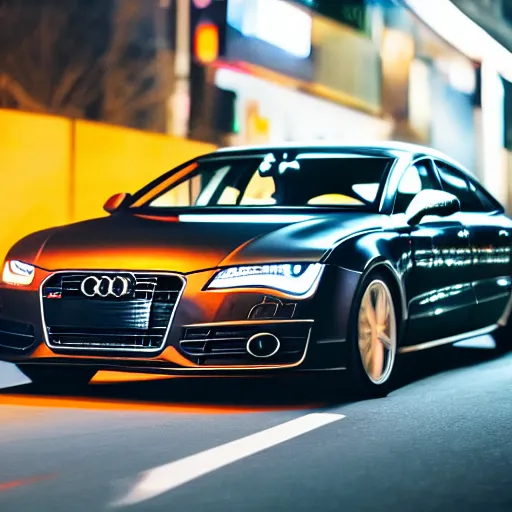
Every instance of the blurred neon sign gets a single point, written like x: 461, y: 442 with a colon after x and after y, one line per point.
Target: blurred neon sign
x: 206, y: 42
x: 202, y: 4
x: 275, y: 22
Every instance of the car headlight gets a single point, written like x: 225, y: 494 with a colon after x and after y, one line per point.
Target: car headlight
x: 18, y: 273
x: 295, y: 279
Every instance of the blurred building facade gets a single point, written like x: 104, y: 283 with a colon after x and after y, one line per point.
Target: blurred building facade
x: 232, y: 72
x: 106, y: 60
x: 353, y: 70
x: 495, y: 16
x: 493, y: 62
x: 367, y: 70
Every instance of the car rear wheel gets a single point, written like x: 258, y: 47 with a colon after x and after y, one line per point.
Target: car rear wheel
x: 503, y: 338
x: 503, y: 335
x: 373, y: 338
x: 58, y: 379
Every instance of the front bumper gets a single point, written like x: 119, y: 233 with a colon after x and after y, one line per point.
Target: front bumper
x: 320, y: 321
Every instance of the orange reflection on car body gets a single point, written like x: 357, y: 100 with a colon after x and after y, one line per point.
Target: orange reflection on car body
x: 140, y: 258
x: 44, y: 352
x: 101, y: 404
x: 106, y: 377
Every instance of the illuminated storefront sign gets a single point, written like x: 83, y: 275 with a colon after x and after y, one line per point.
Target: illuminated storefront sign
x: 352, y: 13
x: 276, y: 114
x: 273, y: 21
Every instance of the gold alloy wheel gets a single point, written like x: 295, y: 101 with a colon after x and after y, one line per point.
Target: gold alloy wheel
x: 377, y: 332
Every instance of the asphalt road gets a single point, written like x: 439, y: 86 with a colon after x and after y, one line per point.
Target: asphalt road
x: 442, y: 441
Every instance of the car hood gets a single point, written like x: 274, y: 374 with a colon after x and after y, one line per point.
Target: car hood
x: 190, y: 244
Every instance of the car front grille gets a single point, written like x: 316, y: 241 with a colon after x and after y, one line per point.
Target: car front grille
x: 226, y: 345
x: 137, y: 321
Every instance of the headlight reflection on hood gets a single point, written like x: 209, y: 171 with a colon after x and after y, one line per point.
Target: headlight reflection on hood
x: 296, y: 279
x: 18, y: 273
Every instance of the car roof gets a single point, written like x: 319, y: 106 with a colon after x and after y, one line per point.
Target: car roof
x: 392, y: 149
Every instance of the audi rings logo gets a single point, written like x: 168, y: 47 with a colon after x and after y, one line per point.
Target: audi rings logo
x: 105, y: 286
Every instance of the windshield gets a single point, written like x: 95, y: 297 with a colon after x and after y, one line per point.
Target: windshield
x: 270, y: 179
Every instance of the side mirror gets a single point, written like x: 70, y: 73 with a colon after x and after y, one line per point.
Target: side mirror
x: 431, y: 202
x: 114, y: 202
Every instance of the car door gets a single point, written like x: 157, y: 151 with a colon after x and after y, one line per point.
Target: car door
x: 440, y: 295
x: 490, y: 240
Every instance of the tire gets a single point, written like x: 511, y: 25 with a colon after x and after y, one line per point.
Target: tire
x: 58, y: 379
x: 503, y: 335
x: 503, y: 339
x: 372, y: 353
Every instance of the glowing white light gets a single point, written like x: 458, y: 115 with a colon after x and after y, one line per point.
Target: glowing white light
x: 462, y: 77
x: 292, y: 279
x: 284, y: 166
x: 411, y: 182
x: 266, y: 165
x: 368, y: 191
x: 18, y: 273
x: 280, y: 24
x: 264, y: 219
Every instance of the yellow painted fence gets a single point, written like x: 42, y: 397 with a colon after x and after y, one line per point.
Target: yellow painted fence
x: 55, y: 170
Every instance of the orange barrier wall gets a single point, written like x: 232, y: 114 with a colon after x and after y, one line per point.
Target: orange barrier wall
x: 54, y: 170
x: 110, y: 159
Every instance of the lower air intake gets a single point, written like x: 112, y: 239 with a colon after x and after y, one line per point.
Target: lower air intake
x: 227, y: 345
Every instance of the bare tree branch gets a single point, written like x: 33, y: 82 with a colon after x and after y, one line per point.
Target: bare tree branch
x: 51, y: 60
x: 22, y: 97
x: 134, y: 83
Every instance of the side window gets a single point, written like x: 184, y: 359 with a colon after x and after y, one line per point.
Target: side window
x: 454, y: 182
x: 416, y: 178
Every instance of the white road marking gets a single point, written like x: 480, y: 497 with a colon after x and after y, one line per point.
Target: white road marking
x: 161, y: 479
x: 10, y: 376
x: 483, y: 342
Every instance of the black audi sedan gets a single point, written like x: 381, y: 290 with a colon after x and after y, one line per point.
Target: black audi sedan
x: 265, y: 260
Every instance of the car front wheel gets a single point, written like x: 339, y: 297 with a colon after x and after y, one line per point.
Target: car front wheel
x: 373, y: 335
